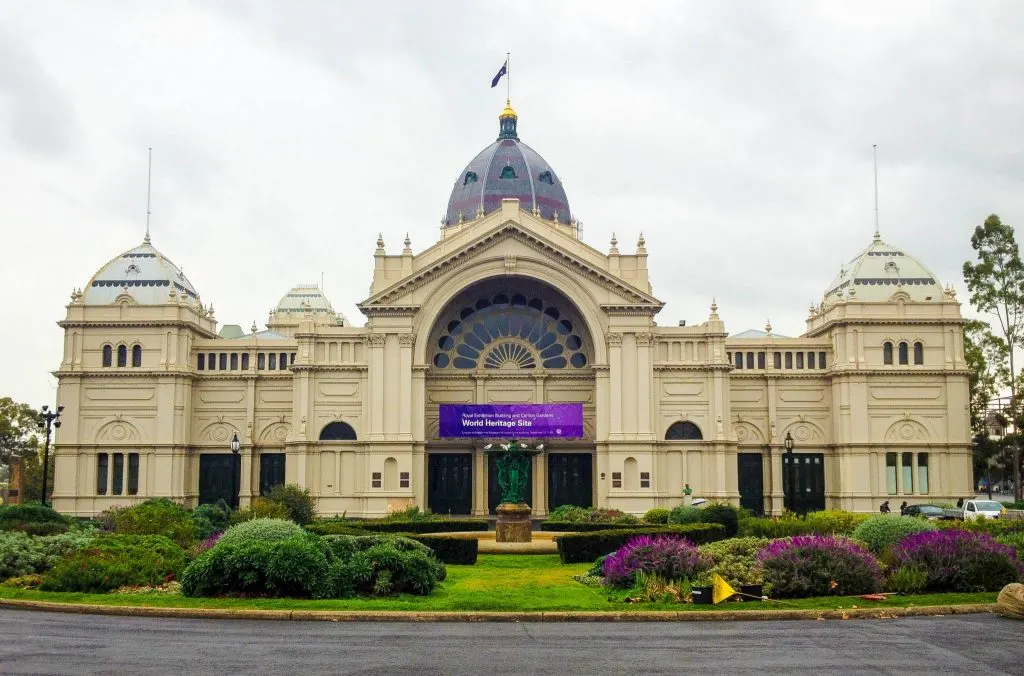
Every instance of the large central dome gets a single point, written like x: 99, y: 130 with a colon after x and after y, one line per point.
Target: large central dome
x: 507, y: 168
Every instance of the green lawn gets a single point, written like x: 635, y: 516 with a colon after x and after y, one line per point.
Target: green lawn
x: 514, y: 583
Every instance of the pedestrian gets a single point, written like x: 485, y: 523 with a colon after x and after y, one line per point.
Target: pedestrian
x: 960, y: 503
x: 903, y: 508
x: 884, y: 509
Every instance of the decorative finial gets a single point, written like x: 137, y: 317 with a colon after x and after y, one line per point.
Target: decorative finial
x: 507, y: 122
x: 479, y: 212
x: 210, y: 311
x: 536, y: 210
x: 812, y: 308
x: 554, y: 216
x: 461, y: 218
x: 714, y: 306
x: 408, y: 245
x: 615, y: 245
x: 768, y: 327
x: 254, y: 329
x: 641, y: 244
x: 380, y: 242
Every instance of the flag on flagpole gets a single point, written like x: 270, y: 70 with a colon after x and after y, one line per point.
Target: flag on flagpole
x: 721, y: 590
x: 501, y: 73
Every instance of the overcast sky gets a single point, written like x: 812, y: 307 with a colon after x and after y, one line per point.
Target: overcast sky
x: 736, y: 135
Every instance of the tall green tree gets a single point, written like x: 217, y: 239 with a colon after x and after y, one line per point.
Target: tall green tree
x: 996, y: 285
x: 19, y: 429
x: 986, y: 357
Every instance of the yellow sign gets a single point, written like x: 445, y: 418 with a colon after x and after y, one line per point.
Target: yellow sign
x: 721, y: 590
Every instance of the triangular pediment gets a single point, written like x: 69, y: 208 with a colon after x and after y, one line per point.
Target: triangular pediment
x: 515, y: 241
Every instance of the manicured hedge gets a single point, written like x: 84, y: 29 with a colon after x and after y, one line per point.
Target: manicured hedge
x: 439, y: 526
x: 586, y: 547
x: 584, y: 527
x: 461, y: 551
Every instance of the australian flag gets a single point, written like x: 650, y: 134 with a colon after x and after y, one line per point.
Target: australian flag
x: 501, y: 73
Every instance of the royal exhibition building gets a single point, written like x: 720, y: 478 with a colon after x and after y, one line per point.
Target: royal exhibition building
x: 510, y: 326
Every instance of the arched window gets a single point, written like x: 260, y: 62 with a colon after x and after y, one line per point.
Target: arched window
x: 918, y: 352
x: 136, y: 356
x: 904, y: 357
x: 470, y: 178
x: 631, y: 475
x: 887, y: 352
x: 391, y: 474
x: 545, y: 177
x: 108, y: 355
x: 338, y: 431
x: 508, y: 172
x: 201, y: 361
x: 683, y: 430
x: 122, y: 355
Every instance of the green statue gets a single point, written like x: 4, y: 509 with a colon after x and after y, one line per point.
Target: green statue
x: 513, y: 465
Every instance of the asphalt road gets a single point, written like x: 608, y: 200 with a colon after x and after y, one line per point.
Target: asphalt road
x: 34, y: 642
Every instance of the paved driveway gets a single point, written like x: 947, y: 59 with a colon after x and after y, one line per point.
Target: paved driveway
x: 38, y: 642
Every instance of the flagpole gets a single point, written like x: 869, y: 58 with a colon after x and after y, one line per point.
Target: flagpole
x: 508, y: 77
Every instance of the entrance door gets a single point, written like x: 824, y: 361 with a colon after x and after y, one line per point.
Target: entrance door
x: 494, y: 490
x: 218, y: 478
x: 751, y: 481
x: 271, y: 471
x: 806, y: 472
x: 450, y: 483
x: 570, y: 480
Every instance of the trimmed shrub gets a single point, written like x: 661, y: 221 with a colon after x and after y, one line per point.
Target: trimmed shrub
x: 682, y: 514
x: 1015, y: 540
x: 260, y: 530
x: 727, y: 515
x: 461, y: 551
x: 819, y: 565
x: 586, y: 547
x: 411, y: 513
x: 296, y: 500
x: 879, y: 533
x: 959, y: 560
x: 774, y: 527
x: 657, y: 515
x: 669, y: 557
x: 834, y: 522
x: 735, y: 559
x: 33, y: 519
x: 261, y: 508
x: 584, y: 527
x: 211, y: 518
x: 113, y: 561
x: 158, y: 516
x: 574, y: 514
x: 341, y: 527
x: 22, y: 554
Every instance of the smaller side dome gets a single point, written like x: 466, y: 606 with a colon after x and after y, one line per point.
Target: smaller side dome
x: 144, y: 274
x: 294, y: 305
x: 882, y: 273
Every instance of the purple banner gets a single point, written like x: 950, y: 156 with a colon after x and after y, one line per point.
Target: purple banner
x: 512, y: 421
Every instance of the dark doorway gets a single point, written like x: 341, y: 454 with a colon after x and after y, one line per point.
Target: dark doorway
x: 450, y: 483
x: 807, y: 472
x: 750, y: 472
x: 570, y: 480
x: 218, y: 478
x: 271, y: 471
x: 494, y: 490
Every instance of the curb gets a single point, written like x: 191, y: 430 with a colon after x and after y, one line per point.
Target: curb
x: 541, y: 616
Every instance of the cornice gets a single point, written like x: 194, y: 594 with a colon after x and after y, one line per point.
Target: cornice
x: 121, y: 323
x: 518, y: 374
x: 389, y: 310
x: 877, y: 321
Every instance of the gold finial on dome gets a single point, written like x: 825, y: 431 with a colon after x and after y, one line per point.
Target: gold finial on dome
x: 508, y: 112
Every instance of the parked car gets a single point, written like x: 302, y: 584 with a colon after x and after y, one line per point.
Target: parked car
x: 930, y: 512
x: 976, y: 509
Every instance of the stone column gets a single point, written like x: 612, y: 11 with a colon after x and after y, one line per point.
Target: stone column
x: 615, y: 385
x: 644, y: 391
x: 915, y: 478
x: 377, y: 384
x: 245, y: 490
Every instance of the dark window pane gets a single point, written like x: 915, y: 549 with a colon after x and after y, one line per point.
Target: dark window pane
x: 283, y: 361
x: 799, y: 360
x: 261, y: 361
x: 887, y: 353
x: 136, y: 356
x: 108, y: 355
x: 201, y: 361
x: 133, y: 473
x: 789, y: 360
x: 223, y: 366
x: 234, y: 361
x: 918, y: 353
x: 821, y: 360
x: 760, y: 360
x: 271, y: 361
x: 750, y: 360
x: 117, y: 482
x: 122, y: 355
x: 101, y: 473
x: 245, y: 361
x: 777, y: 360
x: 904, y: 357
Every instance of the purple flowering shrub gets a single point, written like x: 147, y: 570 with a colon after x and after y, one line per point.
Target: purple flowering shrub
x: 959, y: 560
x: 671, y: 558
x: 819, y: 565
x: 207, y: 543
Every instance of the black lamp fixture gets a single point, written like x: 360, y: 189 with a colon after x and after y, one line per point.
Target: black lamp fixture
x: 236, y: 446
x: 47, y: 420
x: 791, y: 493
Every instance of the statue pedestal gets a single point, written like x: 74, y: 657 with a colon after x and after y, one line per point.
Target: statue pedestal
x: 514, y: 523
x: 688, y: 500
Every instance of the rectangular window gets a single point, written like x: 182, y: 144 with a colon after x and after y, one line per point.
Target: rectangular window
x: 908, y: 474
x: 799, y: 360
x: 617, y: 479
x: 117, y: 482
x: 211, y: 362
x: 750, y: 360
x: 102, y: 467
x: 375, y: 478
x: 821, y: 360
x: 234, y: 361
x: 291, y: 359
x: 810, y: 360
x: 223, y: 361
x: 922, y: 473
x: 645, y: 479
x: 760, y: 360
x: 789, y: 360
x: 261, y: 361
x: 890, y: 473
x: 403, y: 480
x: 272, y: 361
x: 201, y: 362
x: 245, y: 361
x: 133, y: 474
x: 739, y: 360
x: 777, y: 360
x: 283, y: 361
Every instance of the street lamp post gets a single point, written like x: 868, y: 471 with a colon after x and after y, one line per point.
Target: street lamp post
x: 791, y: 493
x: 236, y: 446
x: 47, y: 420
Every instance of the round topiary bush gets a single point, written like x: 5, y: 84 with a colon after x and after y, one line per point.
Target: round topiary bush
x: 671, y: 558
x: 657, y: 515
x: 879, y: 533
x: 959, y: 560
x: 684, y: 514
x: 735, y: 559
x: 819, y: 565
x: 727, y: 515
x: 297, y: 500
x: 260, y: 530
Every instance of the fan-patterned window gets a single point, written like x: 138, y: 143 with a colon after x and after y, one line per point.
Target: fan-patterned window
x: 509, y: 330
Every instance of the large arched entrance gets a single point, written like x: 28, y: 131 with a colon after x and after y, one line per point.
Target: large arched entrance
x: 508, y: 341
